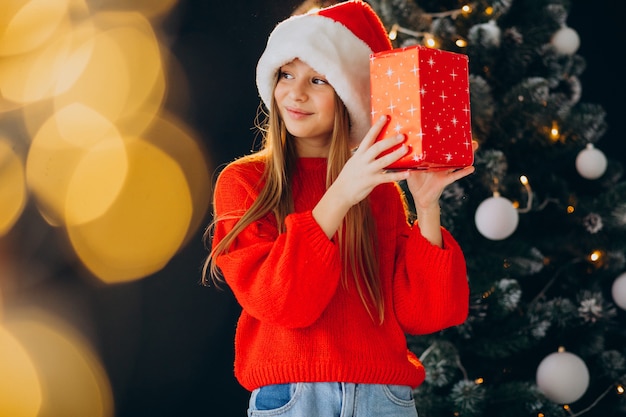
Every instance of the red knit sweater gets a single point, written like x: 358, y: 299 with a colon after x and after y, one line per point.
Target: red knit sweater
x: 299, y: 322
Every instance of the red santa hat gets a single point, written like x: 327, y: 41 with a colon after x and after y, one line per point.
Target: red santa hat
x: 336, y: 42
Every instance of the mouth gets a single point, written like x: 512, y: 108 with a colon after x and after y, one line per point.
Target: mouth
x: 296, y: 113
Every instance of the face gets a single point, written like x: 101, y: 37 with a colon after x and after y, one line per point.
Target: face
x: 306, y: 102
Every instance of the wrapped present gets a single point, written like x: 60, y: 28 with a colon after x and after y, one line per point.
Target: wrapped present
x: 425, y: 92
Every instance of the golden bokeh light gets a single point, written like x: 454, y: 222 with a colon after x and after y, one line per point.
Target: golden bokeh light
x: 56, y: 158
x: 171, y: 136
x: 27, y: 24
x: 93, y: 138
x: 125, y: 180
x: 96, y: 182
x: 12, y: 186
x: 70, y: 375
x: 46, y: 71
x: 123, y: 79
x: 145, y: 226
x: 19, y: 382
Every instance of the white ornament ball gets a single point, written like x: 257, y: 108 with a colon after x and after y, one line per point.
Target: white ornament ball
x: 496, y: 218
x: 591, y: 162
x: 618, y: 290
x: 566, y: 41
x: 562, y: 377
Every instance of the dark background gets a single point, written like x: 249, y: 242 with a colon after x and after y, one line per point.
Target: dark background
x: 183, y: 338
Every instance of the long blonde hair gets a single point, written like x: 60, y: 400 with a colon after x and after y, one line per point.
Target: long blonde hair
x: 357, y: 235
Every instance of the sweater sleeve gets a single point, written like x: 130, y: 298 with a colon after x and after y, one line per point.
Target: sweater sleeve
x: 286, y: 279
x: 430, y: 288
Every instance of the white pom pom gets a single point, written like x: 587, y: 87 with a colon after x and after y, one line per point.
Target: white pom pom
x: 562, y: 377
x: 487, y: 34
x: 566, y: 41
x: 591, y: 162
x: 496, y: 218
x: 618, y: 290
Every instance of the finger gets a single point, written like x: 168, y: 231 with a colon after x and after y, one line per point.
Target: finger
x: 385, y: 145
x: 463, y: 172
x: 372, y: 134
x: 395, y: 176
x: 391, y: 157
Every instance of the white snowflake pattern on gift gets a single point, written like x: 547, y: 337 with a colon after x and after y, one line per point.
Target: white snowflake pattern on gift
x: 441, y: 106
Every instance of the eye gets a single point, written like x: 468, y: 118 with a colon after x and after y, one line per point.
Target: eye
x: 284, y: 75
x: 319, y: 81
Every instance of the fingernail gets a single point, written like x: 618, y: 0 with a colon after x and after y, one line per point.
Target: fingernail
x: 383, y: 118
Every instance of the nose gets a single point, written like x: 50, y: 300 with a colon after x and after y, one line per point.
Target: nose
x: 298, y: 90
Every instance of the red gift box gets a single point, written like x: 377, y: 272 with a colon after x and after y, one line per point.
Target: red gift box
x: 425, y: 92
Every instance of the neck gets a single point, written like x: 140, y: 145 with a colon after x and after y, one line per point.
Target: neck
x: 307, y: 148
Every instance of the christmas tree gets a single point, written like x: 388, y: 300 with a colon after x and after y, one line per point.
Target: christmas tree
x: 542, y: 221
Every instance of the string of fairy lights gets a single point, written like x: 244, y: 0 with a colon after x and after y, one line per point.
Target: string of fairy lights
x: 427, y: 38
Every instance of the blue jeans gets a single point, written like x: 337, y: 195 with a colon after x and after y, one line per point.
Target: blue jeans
x: 332, y: 399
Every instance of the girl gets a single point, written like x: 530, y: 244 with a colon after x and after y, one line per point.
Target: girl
x: 311, y: 235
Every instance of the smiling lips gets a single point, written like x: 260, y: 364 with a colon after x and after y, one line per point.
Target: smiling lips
x: 296, y: 113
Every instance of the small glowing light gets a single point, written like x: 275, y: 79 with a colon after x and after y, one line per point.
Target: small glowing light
x: 570, y: 209
x: 554, y: 132
x: 489, y: 11
x: 561, y: 349
x: 479, y: 381
x: 523, y: 179
x: 540, y: 415
x: 595, y: 256
x: 467, y: 8
x: 393, y: 34
x: 620, y: 389
x: 566, y: 407
x: 515, y: 204
x: 430, y: 42
x: 461, y: 43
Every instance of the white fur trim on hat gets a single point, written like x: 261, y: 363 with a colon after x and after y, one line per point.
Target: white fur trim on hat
x: 331, y: 49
